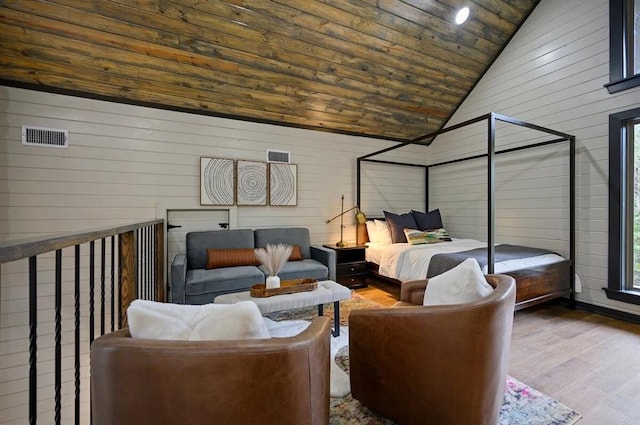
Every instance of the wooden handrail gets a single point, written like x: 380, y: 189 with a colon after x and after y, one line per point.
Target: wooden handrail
x: 29, y: 247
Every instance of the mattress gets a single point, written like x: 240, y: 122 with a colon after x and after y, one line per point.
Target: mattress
x: 404, y: 262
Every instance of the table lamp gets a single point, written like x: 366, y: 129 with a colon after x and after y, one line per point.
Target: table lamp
x: 360, y: 218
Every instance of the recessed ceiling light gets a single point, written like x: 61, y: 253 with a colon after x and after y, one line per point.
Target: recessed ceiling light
x: 462, y: 15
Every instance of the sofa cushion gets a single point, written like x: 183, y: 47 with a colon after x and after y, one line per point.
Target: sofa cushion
x: 217, y: 258
x: 199, y: 242
x: 305, y: 269
x: 221, y: 281
x: 285, y: 235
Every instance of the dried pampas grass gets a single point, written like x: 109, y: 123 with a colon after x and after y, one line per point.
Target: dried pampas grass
x: 273, y: 257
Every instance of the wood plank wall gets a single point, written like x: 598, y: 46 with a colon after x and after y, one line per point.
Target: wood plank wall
x: 128, y: 163
x: 394, y: 69
x: 553, y: 74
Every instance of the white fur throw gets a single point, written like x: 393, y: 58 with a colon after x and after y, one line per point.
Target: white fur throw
x: 464, y: 283
x: 154, y: 320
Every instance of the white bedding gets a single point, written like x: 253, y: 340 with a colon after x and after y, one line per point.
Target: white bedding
x: 404, y: 262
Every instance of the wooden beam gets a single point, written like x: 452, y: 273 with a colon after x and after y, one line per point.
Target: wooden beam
x: 127, y: 282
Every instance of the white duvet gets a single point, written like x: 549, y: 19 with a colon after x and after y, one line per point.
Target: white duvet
x: 404, y: 262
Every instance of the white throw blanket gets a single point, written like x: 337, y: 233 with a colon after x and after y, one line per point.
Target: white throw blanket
x: 340, y: 385
x: 155, y: 320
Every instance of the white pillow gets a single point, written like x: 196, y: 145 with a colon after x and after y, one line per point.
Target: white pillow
x: 384, y: 233
x: 462, y: 284
x: 372, y: 231
x: 155, y: 320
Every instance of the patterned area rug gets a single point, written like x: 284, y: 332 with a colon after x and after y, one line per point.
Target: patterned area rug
x: 522, y: 404
x: 307, y: 313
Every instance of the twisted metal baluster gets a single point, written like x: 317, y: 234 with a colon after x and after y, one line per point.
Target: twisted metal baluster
x: 33, y: 337
x: 76, y: 292
x: 58, y: 334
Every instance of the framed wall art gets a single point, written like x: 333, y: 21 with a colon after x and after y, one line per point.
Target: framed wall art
x: 283, y: 181
x: 217, y: 181
x: 251, y: 187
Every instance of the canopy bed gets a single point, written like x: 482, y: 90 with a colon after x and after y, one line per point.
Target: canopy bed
x: 540, y: 275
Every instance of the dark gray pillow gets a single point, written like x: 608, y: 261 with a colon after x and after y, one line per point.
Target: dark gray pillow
x: 397, y: 224
x: 429, y: 221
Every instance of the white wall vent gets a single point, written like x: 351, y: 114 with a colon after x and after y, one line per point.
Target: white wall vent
x: 278, y: 156
x: 50, y: 137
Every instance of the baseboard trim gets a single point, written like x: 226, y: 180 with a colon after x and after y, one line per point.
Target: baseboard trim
x: 616, y: 314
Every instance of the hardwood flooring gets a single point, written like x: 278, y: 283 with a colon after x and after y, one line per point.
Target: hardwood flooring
x: 584, y: 360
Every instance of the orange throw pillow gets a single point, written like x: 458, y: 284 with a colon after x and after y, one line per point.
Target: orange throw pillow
x: 218, y: 258
x: 296, y: 254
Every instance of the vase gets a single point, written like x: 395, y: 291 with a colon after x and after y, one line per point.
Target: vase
x: 272, y: 282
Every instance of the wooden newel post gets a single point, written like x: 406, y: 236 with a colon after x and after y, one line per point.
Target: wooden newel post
x: 128, y: 273
x: 159, y: 260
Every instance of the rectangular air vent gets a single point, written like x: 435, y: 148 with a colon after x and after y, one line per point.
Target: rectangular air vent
x: 278, y: 156
x: 50, y: 137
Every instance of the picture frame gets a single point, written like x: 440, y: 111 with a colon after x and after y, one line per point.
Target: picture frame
x: 217, y: 181
x: 251, y: 182
x: 283, y: 184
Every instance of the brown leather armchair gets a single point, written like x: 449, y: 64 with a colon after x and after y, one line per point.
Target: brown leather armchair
x: 437, y: 364
x: 259, y: 381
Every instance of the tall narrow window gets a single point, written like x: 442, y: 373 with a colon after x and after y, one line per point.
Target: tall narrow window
x: 624, y: 206
x: 633, y: 133
x: 624, y: 48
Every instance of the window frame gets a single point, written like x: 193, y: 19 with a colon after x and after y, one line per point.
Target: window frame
x: 620, y: 262
x: 621, y: 26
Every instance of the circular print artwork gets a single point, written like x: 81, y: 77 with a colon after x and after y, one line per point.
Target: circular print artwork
x: 283, y: 190
x: 252, y: 183
x: 217, y: 181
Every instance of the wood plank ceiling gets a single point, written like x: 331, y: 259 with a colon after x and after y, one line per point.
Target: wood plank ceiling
x: 394, y: 69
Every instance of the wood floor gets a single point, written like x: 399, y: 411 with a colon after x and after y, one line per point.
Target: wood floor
x: 586, y: 361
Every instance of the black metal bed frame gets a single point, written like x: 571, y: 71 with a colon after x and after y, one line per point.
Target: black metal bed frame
x: 491, y: 118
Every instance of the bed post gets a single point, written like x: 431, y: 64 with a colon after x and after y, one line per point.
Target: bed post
x: 572, y: 220
x: 358, y: 183
x: 426, y: 188
x: 491, y: 198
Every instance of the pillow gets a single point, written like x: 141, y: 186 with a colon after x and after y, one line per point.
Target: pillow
x: 462, y: 284
x: 372, y: 231
x: 419, y: 237
x: 384, y: 234
x: 155, y: 320
x: 397, y: 224
x: 428, y: 221
x: 296, y: 254
x: 378, y: 231
x: 217, y: 258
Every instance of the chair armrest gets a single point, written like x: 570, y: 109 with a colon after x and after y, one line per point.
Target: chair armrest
x: 178, y: 277
x: 413, y: 291
x: 327, y: 257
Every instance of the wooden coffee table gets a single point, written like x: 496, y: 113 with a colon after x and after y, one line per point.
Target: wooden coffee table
x: 327, y: 291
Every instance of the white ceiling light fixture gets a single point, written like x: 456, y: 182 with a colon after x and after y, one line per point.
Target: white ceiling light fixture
x: 462, y: 15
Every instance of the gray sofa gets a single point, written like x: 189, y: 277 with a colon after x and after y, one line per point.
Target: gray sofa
x: 192, y: 283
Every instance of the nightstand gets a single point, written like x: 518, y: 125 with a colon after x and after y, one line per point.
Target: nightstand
x: 351, y: 266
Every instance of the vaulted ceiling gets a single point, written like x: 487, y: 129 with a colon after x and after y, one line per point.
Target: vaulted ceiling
x: 394, y: 69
